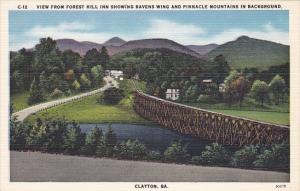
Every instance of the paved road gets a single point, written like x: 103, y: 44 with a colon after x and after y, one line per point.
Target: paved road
x: 21, y: 115
x: 34, y: 166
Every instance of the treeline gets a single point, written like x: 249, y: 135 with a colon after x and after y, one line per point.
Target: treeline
x: 48, y: 72
x: 199, y: 80
x: 164, y: 68
x: 60, y: 136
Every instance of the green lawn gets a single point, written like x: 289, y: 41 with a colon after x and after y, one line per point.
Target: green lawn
x: 87, y: 110
x: 266, y: 116
x: 278, y: 114
x: 19, y: 100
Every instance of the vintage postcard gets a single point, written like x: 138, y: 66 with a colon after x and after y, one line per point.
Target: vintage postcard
x: 150, y: 95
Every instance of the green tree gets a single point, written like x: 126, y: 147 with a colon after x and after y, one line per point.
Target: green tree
x: 110, y: 138
x: 251, y: 74
x: 73, y: 140
x: 275, y: 157
x: 93, y: 139
x: 229, y: 93
x: 56, y: 81
x: 245, y: 156
x: 278, y: 88
x: 109, y: 143
x: 53, y: 139
x: 21, y: 70
x: 104, y: 57
x: 112, y: 95
x: 221, y: 70
x: 132, y: 149
x: 36, y: 136
x: 18, y: 134
x: 70, y: 59
x: 92, y: 58
x: 240, y: 87
x: 191, y: 94
x: 57, y: 93
x: 214, y: 154
x: 47, y: 56
x: 76, y: 85
x: 35, y: 94
x: 176, y: 152
x: 96, y: 75
x: 85, y: 83
x: 260, y: 91
x: 17, y: 80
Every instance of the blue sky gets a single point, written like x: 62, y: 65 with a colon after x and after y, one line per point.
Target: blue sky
x: 186, y: 27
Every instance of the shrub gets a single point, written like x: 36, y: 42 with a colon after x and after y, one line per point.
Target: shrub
x: 176, y: 153
x: 276, y: 157
x: 214, y: 154
x: 203, y: 98
x: 18, y: 133
x: 196, y: 160
x: 245, y: 156
x: 113, y: 95
x: 56, y: 93
x: 100, y: 98
x: 132, y: 149
x: 76, y: 85
x: 154, y: 155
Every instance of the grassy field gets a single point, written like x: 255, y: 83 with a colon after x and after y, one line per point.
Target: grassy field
x: 88, y: 110
x: 19, y: 100
x: 266, y: 116
x: 278, y: 114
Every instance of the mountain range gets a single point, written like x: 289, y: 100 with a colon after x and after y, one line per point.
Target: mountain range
x: 240, y: 53
x: 116, y: 45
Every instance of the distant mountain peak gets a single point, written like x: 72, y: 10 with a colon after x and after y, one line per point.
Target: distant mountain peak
x: 244, y: 37
x: 251, y: 52
x: 115, y: 41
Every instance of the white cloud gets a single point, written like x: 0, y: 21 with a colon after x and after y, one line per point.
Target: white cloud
x: 74, y: 30
x: 269, y: 33
x: 179, y: 32
x: 192, y: 34
x: 23, y: 44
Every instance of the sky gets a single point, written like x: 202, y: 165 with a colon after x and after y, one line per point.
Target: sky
x: 185, y: 27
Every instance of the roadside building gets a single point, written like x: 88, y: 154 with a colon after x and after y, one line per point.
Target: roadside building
x: 222, y: 88
x: 172, y: 94
x: 207, y: 81
x: 117, y: 74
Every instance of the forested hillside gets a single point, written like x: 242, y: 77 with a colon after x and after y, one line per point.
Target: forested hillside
x: 250, y: 52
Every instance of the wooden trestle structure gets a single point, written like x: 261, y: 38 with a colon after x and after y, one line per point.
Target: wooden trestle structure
x: 225, y: 129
